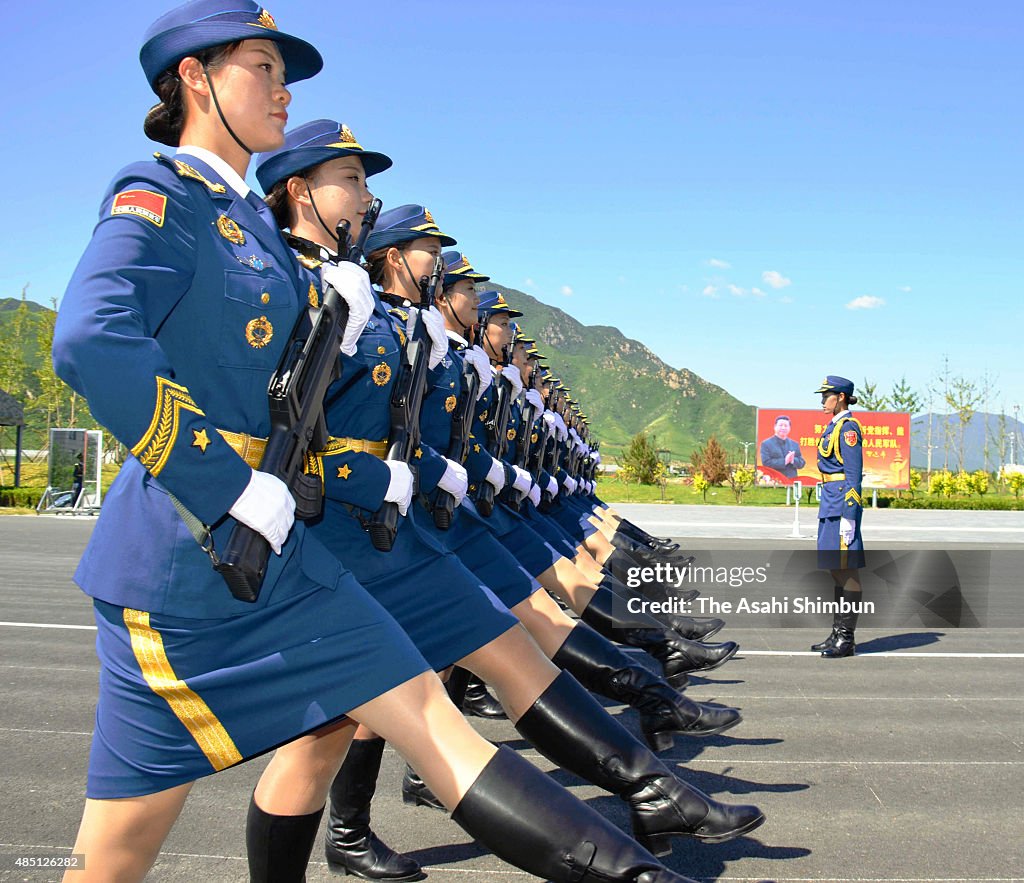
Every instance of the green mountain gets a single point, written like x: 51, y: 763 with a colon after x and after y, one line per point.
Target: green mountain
x: 624, y: 388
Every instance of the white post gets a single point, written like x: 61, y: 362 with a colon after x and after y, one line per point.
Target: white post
x: 797, y: 492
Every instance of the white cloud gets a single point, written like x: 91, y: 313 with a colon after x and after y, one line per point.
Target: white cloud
x: 710, y: 291
x: 567, y: 290
x: 736, y: 290
x: 757, y: 292
x: 906, y: 289
x: 785, y: 299
x: 529, y: 283
x: 865, y: 302
x: 718, y: 264
x: 775, y: 279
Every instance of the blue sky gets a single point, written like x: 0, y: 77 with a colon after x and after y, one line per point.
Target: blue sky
x: 760, y: 192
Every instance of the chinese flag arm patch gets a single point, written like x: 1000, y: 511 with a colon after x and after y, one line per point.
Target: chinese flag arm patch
x: 850, y: 437
x: 143, y: 204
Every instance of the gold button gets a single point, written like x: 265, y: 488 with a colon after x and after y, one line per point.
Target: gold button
x: 381, y: 351
x: 451, y: 386
x: 265, y: 298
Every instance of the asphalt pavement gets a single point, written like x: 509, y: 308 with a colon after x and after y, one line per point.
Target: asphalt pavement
x: 903, y: 764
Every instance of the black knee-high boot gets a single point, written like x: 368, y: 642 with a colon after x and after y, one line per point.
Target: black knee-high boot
x: 278, y: 847
x: 693, y: 628
x: 530, y: 821
x: 570, y: 728
x: 677, y: 655
x: 621, y: 563
x: 351, y: 845
x: 604, y: 669
x: 623, y: 540
x: 830, y: 641
x: 847, y: 624
x: 630, y: 529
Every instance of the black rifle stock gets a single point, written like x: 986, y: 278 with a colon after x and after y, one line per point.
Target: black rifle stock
x: 406, y: 399
x: 458, y: 446
x: 295, y: 394
x: 496, y: 440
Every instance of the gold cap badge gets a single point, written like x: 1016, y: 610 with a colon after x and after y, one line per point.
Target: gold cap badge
x: 428, y: 217
x: 266, y: 20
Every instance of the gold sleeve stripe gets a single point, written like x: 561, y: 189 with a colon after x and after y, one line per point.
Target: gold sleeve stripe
x: 188, y: 707
x: 154, y: 448
x: 851, y: 493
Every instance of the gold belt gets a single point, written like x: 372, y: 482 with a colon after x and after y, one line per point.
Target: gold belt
x: 833, y: 476
x: 248, y: 447
x: 344, y: 445
x: 251, y: 449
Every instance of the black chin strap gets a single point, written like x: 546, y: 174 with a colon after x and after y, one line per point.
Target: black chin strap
x: 220, y: 113
x: 419, y: 286
x: 466, y: 329
x: 316, y: 211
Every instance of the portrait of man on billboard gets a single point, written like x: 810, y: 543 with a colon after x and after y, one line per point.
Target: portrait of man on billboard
x: 780, y: 452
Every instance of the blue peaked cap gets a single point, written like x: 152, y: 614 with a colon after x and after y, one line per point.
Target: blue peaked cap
x: 203, y: 24
x: 404, y: 224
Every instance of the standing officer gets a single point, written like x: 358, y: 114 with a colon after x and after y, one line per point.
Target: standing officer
x: 840, y: 547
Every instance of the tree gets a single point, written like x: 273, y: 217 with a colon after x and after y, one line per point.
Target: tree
x: 15, y: 341
x: 701, y: 484
x: 711, y: 461
x: 52, y: 390
x: 640, y: 460
x: 1016, y: 482
x: 980, y: 480
x: 904, y: 399
x: 869, y: 398
x: 740, y: 479
x: 915, y: 481
x: 963, y: 396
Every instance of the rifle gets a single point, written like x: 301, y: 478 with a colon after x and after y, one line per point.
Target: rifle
x: 496, y: 440
x: 511, y: 496
x: 406, y: 399
x: 458, y: 446
x: 308, y: 366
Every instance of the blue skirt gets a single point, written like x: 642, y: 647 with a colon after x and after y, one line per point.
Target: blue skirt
x: 446, y: 610
x: 183, y: 698
x: 528, y: 547
x: 830, y: 555
x: 480, y: 552
x: 553, y: 533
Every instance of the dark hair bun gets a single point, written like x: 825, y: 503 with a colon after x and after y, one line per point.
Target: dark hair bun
x: 851, y: 400
x: 162, y: 125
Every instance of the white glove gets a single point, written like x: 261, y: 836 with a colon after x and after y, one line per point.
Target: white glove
x: 549, y: 418
x: 476, y: 357
x: 596, y: 457
x: 455, y: 480
x: 552, y: 487
x: 267, y: 506
x: 400, y: 487
x: 496, y: 475
x: 847, y: 528
x: 352, y: 283
x: 534, y: 398
x: 569, y: 483
x: 433, y: 321
x: 514, y: 377
x: 522, y: 481
x: 560, y: 427
x: 575, y: 437
x: 534, y: 495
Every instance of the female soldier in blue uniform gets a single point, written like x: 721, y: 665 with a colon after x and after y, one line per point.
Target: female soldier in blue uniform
x: 171, y: 326
x: 840, y: 546
x: 449, y: 612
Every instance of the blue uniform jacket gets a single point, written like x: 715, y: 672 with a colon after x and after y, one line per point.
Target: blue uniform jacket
x: 840, y: 450
x: 171, y: 326
x: 357, y: 406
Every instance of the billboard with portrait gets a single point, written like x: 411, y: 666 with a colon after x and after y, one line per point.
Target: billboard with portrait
x: 787, y: 446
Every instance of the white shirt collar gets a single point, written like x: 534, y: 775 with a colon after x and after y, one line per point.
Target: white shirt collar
x: 840, y: 414
x: 458, y: 338
x: 230, y: 176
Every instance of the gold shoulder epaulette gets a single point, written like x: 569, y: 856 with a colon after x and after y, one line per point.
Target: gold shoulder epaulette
x: 310, y: 263
x: 186, y: 171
